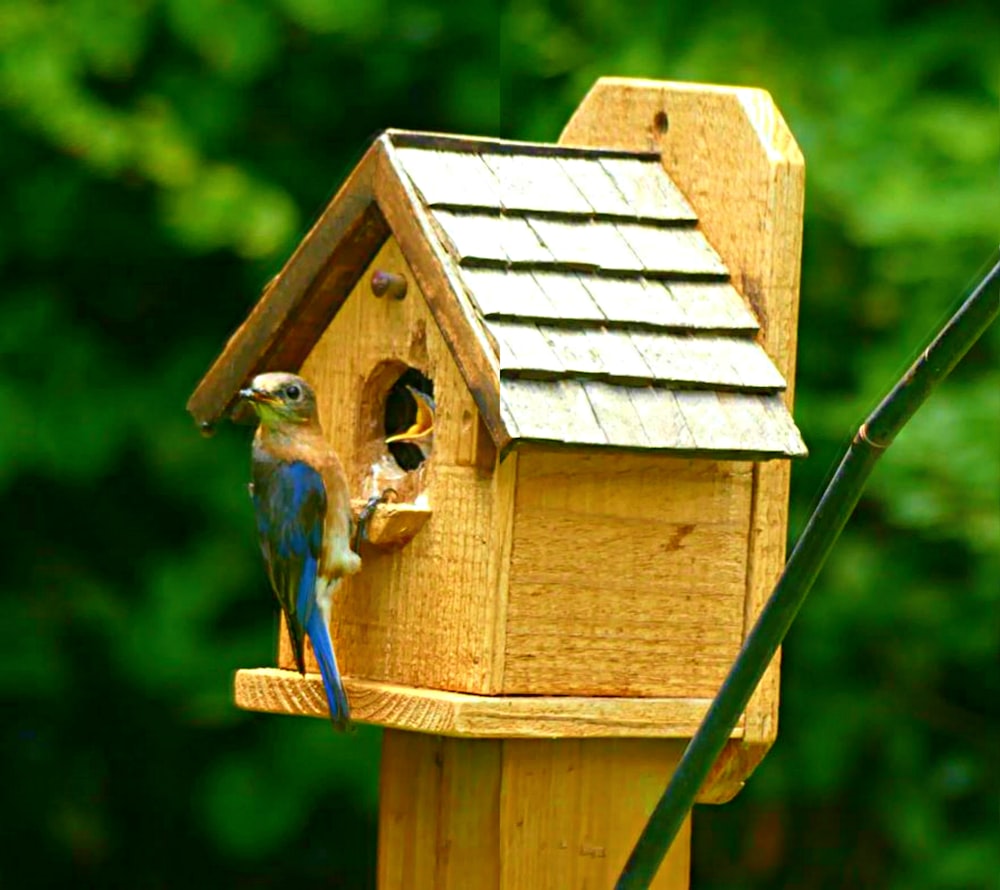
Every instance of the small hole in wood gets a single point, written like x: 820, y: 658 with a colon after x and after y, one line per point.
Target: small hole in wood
x: 661, y: 123
x: 409, y: 419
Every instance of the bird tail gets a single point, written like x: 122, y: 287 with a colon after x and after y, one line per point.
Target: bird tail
x: 319, y: 635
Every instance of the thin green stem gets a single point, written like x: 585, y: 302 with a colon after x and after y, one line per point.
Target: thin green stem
x: 814, y: 545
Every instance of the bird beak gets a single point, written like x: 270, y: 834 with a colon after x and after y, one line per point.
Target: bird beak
x: 256, y: 396
x: 422, y: 427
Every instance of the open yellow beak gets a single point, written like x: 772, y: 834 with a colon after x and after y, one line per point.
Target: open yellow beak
x: 423, y: 425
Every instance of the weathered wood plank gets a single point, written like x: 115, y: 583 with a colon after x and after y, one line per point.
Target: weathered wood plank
x: 473, y: 235
x: 556, y: 411
x: 568, y: 296
x: 523, y: 346
x: 535, y: 184
x: 633, y: 300
x: 671, y: 251
x: 748, y: 360
x: 618, y: 353
x: 712, y: 306
x: 670, y: 359
x: 481, y: 144
x: 727, y: 362
x: 648, y: 190
x: 748, y: 422
x: 707, y: 421
x: 597, y: 186
x: 578, y: 350
x: 617, y: 414
x: 586, y: 245
x: 784, y: 427
x: 661, y: 418
x: 450, y: 178
x: 506, y: 293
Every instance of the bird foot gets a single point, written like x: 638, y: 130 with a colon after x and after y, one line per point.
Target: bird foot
x: 365, y: 516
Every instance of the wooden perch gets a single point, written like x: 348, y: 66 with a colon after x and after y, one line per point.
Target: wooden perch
x: 393, y: 525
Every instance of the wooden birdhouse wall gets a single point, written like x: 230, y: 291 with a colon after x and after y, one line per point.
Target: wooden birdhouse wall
x: 421, y: 615
x: 557, y: 571
x: 627, y: 573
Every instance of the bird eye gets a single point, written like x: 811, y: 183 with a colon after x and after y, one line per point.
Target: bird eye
x: 293, y: 392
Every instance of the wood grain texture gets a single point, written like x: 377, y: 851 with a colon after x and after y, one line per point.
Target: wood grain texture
x: 597, y: 186
x: 671, y: 252
x: 627, y: 414
x: 439, y: 804
x: 649, y: 194
x: 498, y: 293
x: 418, y: 709
x: 393, y: 525
x: 450, y: 178
x: 581, y: 244
x: 296, y: 306
x: 570, y: 811
x: 512, y: 815
x: 627, y: 574
x: 422, y: 614
x: 734, y: 158
x: 501, y: 540
x: 550, y: 411
x: 536, y: 184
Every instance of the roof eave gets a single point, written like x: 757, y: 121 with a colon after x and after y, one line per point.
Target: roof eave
x: 305, y: 295
x: 282, y: 328
x: 795, y: 452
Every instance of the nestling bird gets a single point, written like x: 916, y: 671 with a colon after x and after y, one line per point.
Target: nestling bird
x: 421, y: 432
x: 303, y: 509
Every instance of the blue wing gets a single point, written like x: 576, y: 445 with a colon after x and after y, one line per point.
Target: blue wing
x: 290, y: 502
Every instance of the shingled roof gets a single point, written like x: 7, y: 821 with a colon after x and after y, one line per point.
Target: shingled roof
x: 581, y: 301
x: 614, y: 320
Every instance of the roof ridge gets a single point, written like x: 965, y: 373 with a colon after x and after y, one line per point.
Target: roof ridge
x: 656, y: 222
x: 495, y: 145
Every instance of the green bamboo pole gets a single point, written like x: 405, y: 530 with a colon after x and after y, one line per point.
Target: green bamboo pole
x: 821, y: 532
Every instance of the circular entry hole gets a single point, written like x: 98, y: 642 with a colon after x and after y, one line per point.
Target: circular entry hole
x: 409, y: 419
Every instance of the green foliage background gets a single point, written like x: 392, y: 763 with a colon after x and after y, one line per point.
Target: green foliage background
x: 158, y: 161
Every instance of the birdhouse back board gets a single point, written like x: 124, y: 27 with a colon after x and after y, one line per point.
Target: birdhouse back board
x: 423, y: 615
x: 628, y: 573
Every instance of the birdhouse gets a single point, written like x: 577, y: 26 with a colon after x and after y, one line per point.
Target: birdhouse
x: 569, y: 563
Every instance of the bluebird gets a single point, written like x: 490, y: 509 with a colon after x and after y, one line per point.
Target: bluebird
x: 303, y: 511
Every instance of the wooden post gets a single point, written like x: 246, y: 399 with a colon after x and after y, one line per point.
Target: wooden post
x: 509, y: 814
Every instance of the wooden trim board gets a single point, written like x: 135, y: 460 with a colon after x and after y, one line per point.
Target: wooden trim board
x: 733, y: 156
x: 277, y: 691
